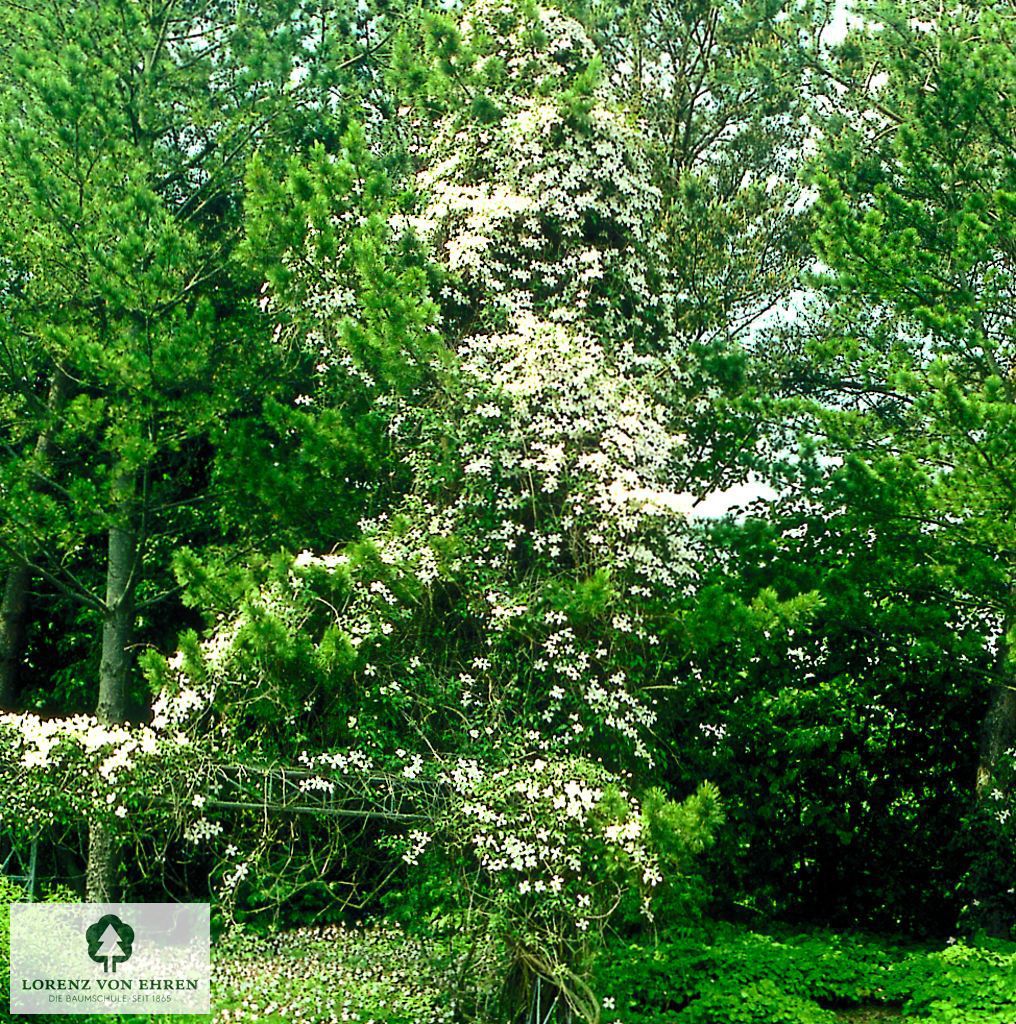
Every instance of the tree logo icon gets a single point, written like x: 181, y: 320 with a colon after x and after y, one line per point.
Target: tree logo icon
x: 110, y: 942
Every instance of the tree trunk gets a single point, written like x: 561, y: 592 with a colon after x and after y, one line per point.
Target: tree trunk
x: 14, y: 602
x: 100, y: 873
x: 114, y: 673
x: 993, y: 908
x: 998, y: 733
x: 117, y: 626
x: 12, y: 632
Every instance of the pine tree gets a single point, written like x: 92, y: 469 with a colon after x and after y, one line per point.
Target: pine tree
x: 131, y: 330
x: 914, y: 348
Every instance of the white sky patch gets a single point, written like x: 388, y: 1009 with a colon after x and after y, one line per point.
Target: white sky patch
x: 843, y: 19
x: 720, y: 503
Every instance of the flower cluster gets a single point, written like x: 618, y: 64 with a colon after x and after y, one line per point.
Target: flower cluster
x: 546, y: 209
x: 59, y: 770
x: 559, y: 839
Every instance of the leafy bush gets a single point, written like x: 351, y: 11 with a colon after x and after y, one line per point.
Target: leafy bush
x: 9, y: 893
x: 732, y: 976
x: 759, y: 1003
x: 837, y: 729
x: 961, y: 984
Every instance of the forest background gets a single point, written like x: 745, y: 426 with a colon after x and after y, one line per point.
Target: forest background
x: 577, y: 443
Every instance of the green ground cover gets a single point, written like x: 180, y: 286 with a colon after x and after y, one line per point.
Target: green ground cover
x: 715, y: 974
x: 734, y: 976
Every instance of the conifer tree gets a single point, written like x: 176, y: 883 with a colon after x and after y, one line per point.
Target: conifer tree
x: 131, y: 331
x: 914, y: 350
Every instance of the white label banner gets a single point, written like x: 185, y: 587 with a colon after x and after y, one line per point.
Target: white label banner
x: 110, y: 958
